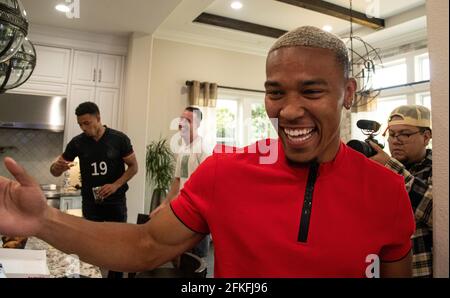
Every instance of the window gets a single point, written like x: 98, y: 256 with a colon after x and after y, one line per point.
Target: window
x: 261, y: 127
x: 241, y: 119
x: 384, y: 108
x: 422, y: 67
x: 406, y: 68
x: 226, y: 122
x: 391, y: 74
x: 424, y: 99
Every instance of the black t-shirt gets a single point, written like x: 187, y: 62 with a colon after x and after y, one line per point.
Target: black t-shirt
x: 101, y: 162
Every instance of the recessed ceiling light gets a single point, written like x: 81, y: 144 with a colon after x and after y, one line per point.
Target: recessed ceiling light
x: 327, y: 28
x: 62, y: 8
x: 236, y: 5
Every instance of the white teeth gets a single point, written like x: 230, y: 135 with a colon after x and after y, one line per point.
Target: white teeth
x: 298, y: 132
x: 298, y: 135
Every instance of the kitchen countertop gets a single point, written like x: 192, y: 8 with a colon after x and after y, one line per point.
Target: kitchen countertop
x: 61, y: 264
x: 60, y: 192
x: 75, y: 193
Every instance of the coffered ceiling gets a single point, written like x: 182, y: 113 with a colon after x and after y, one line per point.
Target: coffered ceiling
x: 181, y: 20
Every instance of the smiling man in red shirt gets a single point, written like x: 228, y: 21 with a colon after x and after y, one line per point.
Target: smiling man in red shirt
x: 316, y: 208
x: 317, y: 211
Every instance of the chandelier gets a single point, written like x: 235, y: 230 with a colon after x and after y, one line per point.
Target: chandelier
x: 364, y: 61
x: 19, y: 68
x: 13, y: 27
x: 17, y: 53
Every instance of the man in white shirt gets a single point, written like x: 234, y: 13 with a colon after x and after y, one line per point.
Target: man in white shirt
x: 191, y: 154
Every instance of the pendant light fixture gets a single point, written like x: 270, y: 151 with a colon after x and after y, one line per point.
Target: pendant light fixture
x: 19, y: 68
x: 13, y: 28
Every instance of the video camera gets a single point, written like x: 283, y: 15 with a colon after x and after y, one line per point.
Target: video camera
x: 368, y: 128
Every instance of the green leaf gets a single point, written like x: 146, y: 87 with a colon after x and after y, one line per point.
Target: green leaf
x: 159, y: 164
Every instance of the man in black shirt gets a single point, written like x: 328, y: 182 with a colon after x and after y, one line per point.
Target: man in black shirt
x: 103, y: 153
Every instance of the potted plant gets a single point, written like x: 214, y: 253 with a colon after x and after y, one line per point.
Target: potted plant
x: 159, y: 164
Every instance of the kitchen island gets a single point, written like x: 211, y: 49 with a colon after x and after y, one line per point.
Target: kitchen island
x: 61, y: 264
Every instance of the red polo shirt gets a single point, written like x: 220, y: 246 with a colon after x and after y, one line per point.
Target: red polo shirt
x: 253, y: 211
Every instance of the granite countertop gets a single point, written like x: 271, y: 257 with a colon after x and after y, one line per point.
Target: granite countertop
x: 62, y: 192
x: 70, y: 193
x: 61, y: 264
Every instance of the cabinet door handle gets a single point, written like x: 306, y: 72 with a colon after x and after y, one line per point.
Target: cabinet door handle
x: 100, y: 76
x: 95, y: 75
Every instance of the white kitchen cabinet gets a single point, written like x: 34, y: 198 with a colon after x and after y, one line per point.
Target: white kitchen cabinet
x: 107, y: 100
x: 67, y: 203
x: 84, y: 70
x: 52, y: 65
x: 51, y: 74
x: 78, y: 95
x: 109, y: 71
x: 38, y: 88
x: 100, y: 70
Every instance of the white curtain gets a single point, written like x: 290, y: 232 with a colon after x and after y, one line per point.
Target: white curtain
x: 208, y: 127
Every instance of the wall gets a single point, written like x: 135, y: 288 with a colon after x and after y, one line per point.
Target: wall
x: 437, y: 12
x: 135, y: 115
x: 175, y: 63
x: 36, y: 150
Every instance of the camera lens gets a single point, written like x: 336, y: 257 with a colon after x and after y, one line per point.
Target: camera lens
x: 362, y: 147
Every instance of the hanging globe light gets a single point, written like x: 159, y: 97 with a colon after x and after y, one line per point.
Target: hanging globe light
x: 19, y: 68
x: 13, y: 27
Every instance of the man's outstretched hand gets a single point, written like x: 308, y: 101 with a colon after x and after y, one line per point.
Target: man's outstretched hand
x: 22, y: 203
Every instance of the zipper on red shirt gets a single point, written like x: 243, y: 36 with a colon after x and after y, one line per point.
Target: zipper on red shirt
x: 307, y: 203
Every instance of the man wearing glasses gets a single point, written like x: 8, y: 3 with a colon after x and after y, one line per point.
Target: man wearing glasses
x: 409, y: 133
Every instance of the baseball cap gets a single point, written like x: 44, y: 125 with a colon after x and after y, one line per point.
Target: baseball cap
x: 414, y: 115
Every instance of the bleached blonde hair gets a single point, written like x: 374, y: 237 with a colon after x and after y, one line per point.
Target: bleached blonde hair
x: 313, y: 37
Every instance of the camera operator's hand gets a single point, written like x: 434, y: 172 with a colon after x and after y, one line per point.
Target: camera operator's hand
x: 381, y: 157
x: 22, y: 204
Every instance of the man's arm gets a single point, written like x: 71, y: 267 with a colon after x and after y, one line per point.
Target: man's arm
x: 114, y: 246
x: 173, y: 193
x: 402, y: 268
x: 118, y: 246
x: 59, y: 166
x: 132, y: 168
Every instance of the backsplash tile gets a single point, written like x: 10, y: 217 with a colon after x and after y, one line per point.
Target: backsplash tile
x: 34, y: 149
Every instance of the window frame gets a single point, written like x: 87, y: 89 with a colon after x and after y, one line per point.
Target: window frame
x: 414, y: 94
x: 244, y: 100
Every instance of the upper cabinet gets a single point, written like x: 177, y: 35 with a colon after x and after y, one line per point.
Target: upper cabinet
x: 51, y: 74
x: 100, y: 70
x: 52, y: 65
x: 107, y: 100
x: 79, y: 66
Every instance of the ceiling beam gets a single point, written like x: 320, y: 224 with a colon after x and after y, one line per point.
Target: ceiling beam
x: 338, y: 12
x: 215, y: 20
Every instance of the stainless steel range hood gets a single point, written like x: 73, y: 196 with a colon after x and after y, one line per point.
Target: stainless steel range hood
x: 32, y: 112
